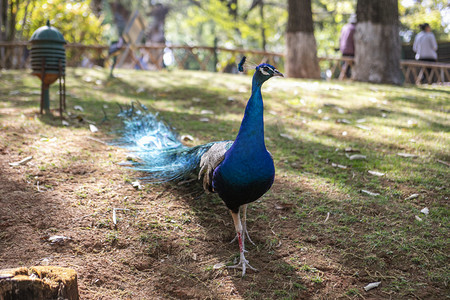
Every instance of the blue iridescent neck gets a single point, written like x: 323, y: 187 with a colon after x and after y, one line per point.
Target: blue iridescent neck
x: 252, y: 126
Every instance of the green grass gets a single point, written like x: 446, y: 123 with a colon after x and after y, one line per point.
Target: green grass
x: 377, y: 237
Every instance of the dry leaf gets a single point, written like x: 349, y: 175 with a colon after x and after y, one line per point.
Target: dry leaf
x: 340, y: 110
x: 375, y: 173
x: 418, y: 218
x: 282, y: 206
x: 287, y: 136
x: 219, y: 266
x: 356, y: 156
x: 137, y: 185
x: 78, y: 107
x: 350, y: 149
x: 204, y: 120
x: 363, y: 127
x: 406, y: 155
x: 412, y: 123
x: 338, y: 166
x: 57, y: 239
x: 413, y: 196
x: 207, y: 112
x: 93, y: 128
x: 425, y: 211
x: 372, y: 285
x: 370, y: 193
x: 343, y: 121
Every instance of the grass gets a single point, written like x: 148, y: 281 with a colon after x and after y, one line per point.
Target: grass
x: 330, y: 232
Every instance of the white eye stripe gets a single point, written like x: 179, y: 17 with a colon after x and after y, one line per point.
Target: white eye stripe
x: 265, y: 69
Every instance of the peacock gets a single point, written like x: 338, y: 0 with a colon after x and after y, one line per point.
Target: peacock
x: 240, y: 171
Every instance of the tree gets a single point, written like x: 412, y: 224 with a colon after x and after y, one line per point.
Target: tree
x: 414, y: 13
x: 377, y: 42
x: 155, y: 32
x: 8, y: 16
x: 301, y: 55
x: 74, y: 19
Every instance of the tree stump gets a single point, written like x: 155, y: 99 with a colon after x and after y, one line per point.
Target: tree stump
x: 38, y: 283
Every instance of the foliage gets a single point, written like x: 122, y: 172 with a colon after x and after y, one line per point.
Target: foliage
x: 201, y: 22
x: 192, y: 24
x: 73, y: 18
x: 425, y: 11
x: 329, y: 18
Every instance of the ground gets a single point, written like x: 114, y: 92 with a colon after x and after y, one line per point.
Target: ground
x: 318, y: 235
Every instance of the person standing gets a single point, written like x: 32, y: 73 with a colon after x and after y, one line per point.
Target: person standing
x: 425, y: 44
x: 347, y: 44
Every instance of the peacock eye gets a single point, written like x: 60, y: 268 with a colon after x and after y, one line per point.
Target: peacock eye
x: 265, y: 70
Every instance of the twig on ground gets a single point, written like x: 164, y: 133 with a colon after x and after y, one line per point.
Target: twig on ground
x: 443, y: 162
x: 114, y: 215
x: 97, y: 140
x: 326, y: 219
x: 23, y: 161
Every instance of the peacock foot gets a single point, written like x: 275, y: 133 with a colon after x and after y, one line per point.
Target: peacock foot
x: 243, y: 265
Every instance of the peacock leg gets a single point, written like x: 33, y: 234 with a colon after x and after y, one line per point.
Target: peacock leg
x: 244, y: 225
x: 243, y: 262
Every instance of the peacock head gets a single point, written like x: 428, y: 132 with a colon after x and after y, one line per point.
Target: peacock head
x: 263, y: 71
x: 266, y: 71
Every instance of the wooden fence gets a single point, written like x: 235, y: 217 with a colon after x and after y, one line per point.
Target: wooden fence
x: 16, y: 56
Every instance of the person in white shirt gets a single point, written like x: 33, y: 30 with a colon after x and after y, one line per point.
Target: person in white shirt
x: 425, y: 44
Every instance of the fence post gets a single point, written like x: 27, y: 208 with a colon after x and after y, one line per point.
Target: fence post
x: 216, y: 60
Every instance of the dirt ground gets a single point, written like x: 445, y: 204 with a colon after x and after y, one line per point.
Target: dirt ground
x: 170, y: 241
x: 165, y: 246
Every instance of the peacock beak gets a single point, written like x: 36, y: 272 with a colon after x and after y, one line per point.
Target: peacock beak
x: 277, y: 73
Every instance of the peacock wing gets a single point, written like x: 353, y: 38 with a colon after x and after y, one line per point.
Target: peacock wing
x: 210, y: 160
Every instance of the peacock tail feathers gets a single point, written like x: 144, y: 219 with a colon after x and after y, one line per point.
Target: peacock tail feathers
x: 159, y: 152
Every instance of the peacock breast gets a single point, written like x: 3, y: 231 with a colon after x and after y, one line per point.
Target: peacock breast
x: 243, y: 177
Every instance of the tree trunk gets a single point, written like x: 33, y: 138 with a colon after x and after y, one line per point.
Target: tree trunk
x: 155, y: 32
x: 263, y: 30
x: 3, y: 5
x: 11, y: 28
x: 377, y: 42
x: 121, y: 15
x: 301, y: 56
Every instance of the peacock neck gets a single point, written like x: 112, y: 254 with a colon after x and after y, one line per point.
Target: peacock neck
x: 251, y: 132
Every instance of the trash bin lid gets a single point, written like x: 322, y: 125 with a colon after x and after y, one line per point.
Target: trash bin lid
x: 47, y: 34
